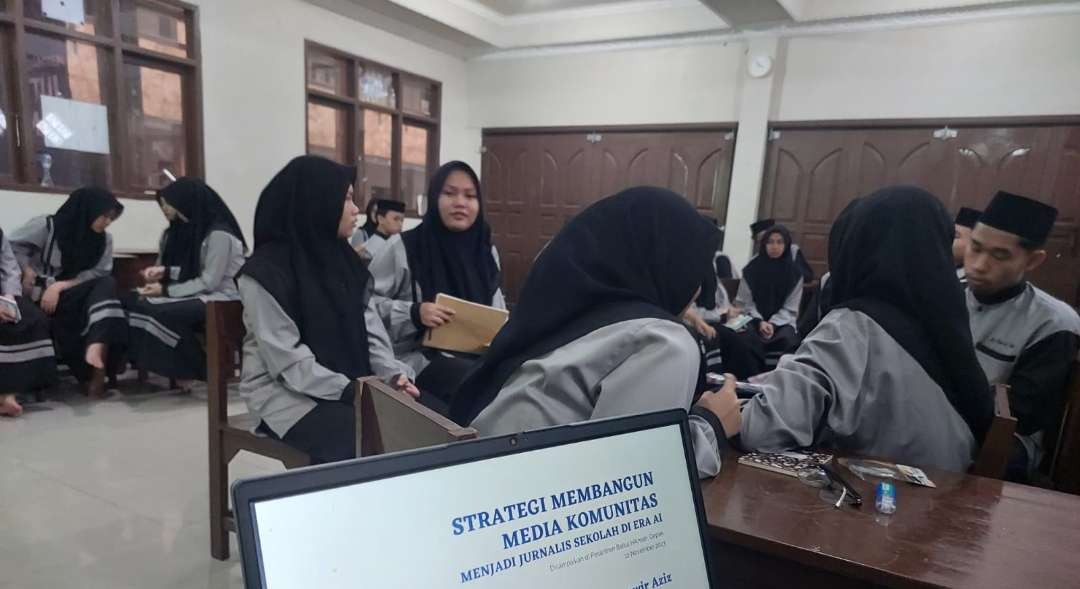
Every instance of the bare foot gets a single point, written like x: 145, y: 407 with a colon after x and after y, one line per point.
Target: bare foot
x: 9, y: 406
x: 95, y: 355
x: 185, y: 385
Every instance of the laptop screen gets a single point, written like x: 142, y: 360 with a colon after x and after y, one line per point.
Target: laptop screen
x: 613, y: 511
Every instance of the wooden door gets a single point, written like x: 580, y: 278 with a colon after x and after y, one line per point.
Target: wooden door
x: 535, y: 182
x: 811, y: 174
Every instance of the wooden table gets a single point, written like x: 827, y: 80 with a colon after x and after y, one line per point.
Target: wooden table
x: 770, y: 530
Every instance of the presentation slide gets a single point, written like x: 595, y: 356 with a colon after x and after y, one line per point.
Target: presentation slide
x: 611, y: 512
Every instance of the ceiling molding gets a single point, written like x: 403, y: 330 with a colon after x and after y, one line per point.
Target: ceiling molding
x: 597, y: 11
x: 899, y: 21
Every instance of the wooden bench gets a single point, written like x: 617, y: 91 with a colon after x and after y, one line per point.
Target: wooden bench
x: 391, y: 421
x: 231, y: 434
x: 1065, y: 459
x: 997, y: 448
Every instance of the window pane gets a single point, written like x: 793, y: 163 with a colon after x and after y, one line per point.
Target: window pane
x: 327, y: 73
x: 95, y: 19
x: 328, y: 132
x: 376, y: 86
x: 378, y: 143
x: 418, y: 96
x: 155, y: 125
x: 414, y: 160
x: 68, y: 91
x: 7, y: 118
x: 154, y: 26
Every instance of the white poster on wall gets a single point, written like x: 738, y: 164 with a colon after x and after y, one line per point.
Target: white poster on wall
x: 74, y: 125
x: 71, y: 11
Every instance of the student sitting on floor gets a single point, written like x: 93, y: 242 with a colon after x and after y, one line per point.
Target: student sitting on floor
x: 311, y: 330
x: 201, y: 252
x: 891, y: 370
x: 596, y: 332
x: 770, y: 292
x: 1024, y: 337
x: 66, y: 261
x: 449, y: 253
x: 27, y: 359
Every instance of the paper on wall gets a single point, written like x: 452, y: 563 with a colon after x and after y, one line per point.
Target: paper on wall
x: 74, y: 125
x: 70, y: 11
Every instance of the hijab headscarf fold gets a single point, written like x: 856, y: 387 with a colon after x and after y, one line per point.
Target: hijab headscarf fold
x: 640, y: 253
x: 771, y: 280
x: 460, y: 264
x: 316, y: 277
x: 205, y: 211
x: 80, y: 246
x: 890, y: 257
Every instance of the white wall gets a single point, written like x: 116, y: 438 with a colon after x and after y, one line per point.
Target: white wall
x: 689, y: 84
x: 254, y: 103
x: 1022, y: 66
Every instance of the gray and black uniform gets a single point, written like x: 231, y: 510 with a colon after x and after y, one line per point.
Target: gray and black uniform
x: 27, y: 357
x: 1027, y: 339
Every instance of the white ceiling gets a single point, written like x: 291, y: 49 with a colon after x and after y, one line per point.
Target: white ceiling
x: 472, y: 28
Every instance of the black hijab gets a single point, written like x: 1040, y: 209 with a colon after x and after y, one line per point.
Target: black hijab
x: 313, y: 274
x: 80, y: 246
x: 640, y: 253
x: 772, y: 279
x: 890, y: 255
x: 205, y: 211
x: 459, y: 264
x: 370, y: 226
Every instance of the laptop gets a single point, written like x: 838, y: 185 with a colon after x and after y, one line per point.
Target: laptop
x: 611, y: 503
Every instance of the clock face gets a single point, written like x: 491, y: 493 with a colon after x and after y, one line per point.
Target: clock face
x: 760, y: 66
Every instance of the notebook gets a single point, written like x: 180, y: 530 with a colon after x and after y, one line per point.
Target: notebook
x: 787, y: 463
x: 471, y: 330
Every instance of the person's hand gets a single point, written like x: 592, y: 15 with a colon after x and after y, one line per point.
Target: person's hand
x: 28, y: 279
x: 406, y: 386
x: 153, y: 273
x: 766, y: 329
x: 724, y: 404
x: 699, y: 325
x: 7, y: 315
x: 51, y: 298
x: 151, y: 290
x: 734, y: 312
x: 432, y: 315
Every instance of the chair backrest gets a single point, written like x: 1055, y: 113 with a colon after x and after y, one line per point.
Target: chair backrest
x: 731, y: 285
x: 390, y: 421
x: 224, y: 341
x: 994, y: 454
x: 1065, y: 462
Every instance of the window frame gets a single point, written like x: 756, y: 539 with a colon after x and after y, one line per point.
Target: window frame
x: 117, y: 50
x: 356, y: 107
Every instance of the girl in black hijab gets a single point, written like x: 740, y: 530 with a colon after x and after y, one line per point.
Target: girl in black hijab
x: 26, y: 348
x: 310, y: 330
x: 201, y: 252
x: 891, y: 369
x: 770, y: 292
x: 67, y: 269
x: 449, y: 253
x: 597, y: 331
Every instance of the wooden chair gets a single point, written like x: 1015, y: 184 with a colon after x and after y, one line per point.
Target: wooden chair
x: 996, y: 450
x: 392, y: 421
x: 229, y: 434
x: 1065, y: 460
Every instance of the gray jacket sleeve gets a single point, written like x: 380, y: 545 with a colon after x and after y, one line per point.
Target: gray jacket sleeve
x: 221, y: 249
x: 498, y: 300
x: 789, y: 313
x: 805, y: 388
x: 104, y: 265
x: 660, y: 374
x: 393, y: 294
x: 744, y: 299
x: 380, y: 349
x: 28, y: 240
x: 10, y: 275
x: 286, y: 357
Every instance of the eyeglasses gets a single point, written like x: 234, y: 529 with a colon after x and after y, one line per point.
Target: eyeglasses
x: 834, y: 489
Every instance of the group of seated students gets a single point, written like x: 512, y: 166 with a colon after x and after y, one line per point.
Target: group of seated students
x: 616, y: 316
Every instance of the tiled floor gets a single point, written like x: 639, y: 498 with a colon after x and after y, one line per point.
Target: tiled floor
x: 112, y: 493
